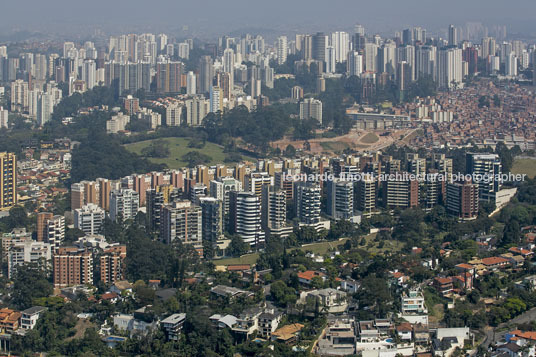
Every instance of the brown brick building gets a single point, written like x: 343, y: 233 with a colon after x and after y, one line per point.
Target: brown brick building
x: 72, y: 266
x: 112, y: 264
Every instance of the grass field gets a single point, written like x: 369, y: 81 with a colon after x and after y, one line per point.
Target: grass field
x: 334, y: 145
x: 177, y: 148
x: 245, y: 259
x: 524, y: 166
x: 319, y: 248
x: 369, y: 138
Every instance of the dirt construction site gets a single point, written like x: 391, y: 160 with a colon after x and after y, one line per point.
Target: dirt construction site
x: 356, y: 139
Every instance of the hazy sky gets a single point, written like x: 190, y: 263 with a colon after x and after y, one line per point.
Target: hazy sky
x: 212, y: 16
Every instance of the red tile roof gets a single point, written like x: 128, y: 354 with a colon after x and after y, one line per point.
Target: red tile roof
x: 309, y: 274
x: 494, y: 261
x: 238, y: 267
x: 465, y: 266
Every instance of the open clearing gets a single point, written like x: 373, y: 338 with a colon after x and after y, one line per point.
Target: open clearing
x: 320, y: 248
x: 525, y: 166
x: 179, y: 147
x: 369, y: 138
x: 356, y: 139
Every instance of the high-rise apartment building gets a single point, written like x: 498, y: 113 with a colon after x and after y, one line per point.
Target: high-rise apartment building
x: 8, y: 180
x: 340, y: 41
x: 4, y: 118
x: 42, y: 220
x: 311, y: 108
x: 245, y: 217
x: 282, y: 50
x: 371, y: 57
x: 220, y: 189
x: 416, y: 164
x: 72, y: 266
x: 206, y: 74
x: 55, y: 231
x: 197, y: 109
x: 319, y: 45
x: 354, y: 65
x: 257, y: 180
x: 453, y: 36
x: 28, y: 251
x: 19, y: 95
x: 191, y: 83
x: 462, y: 199
x: 400, y: 191
x: 112, y: 264
x: 45, y: 108
x: 216, y: 99
x: 486, y: 170
x: 156, y: 198
x: 173, y: 114
x: 212, y: 219
x: 124, y: 204
x: 340, y: 199
x: 182, y: 222
x: 274, y: 209
x: 89, y: 219
x: 449, y: 68
x: 366, y: 195
x: 169, y: 77
x: 307, y: 202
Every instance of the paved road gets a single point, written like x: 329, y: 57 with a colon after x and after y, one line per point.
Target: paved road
x: 492, y: 336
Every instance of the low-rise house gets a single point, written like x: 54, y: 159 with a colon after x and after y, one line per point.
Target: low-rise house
x: 262, y: 319
x: 328, y: 300
x: 73, y: 292
x: 510, y: 349
x: 229, y: 292
x: 398, y: 278
x: 465, y: 268
x: 350, y: 285
x: 122, y: 287
x: 306, y: 277
x: 525, y: 253
x: 528, y: 283
x: 445, y: 346
x: 494, y: 263
x: 141, y: 323
x: 30, y: 316
x: 464, y: 281
x: 222, y: 322
x: 339, y: 338
x: 443, y: 285
x: 268, y: 322
x: 9, y: 320
x: 287, y: 334
x: 514, y: 260
x: 247, y: 323
x: 111, y: 297
x: 421, y: 334
x: 404, y: 331
x: 413, y: 303
x: 448, y: 339
x: 526, y: 336
x: 172, y: 325
x: 239, y: 268
x: 368, y: 331
x: 385, y: 326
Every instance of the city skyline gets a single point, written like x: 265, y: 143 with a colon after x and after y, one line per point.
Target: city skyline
x: 274, y: 17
